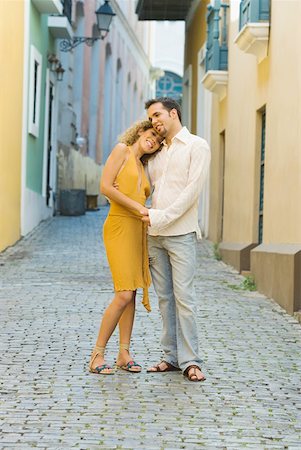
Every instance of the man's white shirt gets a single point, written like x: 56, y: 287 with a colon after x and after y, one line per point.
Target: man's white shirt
x: 177, y: 175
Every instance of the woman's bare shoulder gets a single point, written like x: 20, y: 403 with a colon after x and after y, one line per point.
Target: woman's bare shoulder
x: 120, y: 150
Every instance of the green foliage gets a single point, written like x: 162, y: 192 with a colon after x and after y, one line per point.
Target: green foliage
x: 249, y: 284
x: 216, y: 252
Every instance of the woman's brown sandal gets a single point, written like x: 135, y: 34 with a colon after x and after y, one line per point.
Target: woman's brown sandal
x: 130, y: 366
x: 104, y: 369
x: 191, y: 373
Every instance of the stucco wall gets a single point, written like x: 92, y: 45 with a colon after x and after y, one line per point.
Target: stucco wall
x: 76, y: 171
x: 240, y: 136
x: 11, y: 49
x: 195, y: 38
x: 276, y: 83
x: 282, y: 214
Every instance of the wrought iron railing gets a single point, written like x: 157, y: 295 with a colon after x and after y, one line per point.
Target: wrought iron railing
x: 254, y: 11
x: 217, y: 36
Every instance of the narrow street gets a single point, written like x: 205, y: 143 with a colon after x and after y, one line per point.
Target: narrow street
x: 55, y: 284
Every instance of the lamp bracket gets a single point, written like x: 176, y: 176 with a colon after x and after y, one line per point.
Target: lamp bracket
x: 68, y: 44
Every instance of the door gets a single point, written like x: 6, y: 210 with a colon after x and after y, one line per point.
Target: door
x: 49, y: 145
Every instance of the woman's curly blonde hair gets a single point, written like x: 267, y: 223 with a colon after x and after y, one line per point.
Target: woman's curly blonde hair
x: 131, y: 135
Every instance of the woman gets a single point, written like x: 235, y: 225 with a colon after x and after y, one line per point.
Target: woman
x: 125, y: 240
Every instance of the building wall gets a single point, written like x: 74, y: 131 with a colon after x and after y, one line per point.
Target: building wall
x: 196, y: 101
x: 11, y: 91
x: 282, y: 216
x: 34, y: 207
x: 273, y: 84
x: 129, y: 44
x: 109, y: 83
x: 35, y: 145
x: 240, y: 140
x: 195, y: 39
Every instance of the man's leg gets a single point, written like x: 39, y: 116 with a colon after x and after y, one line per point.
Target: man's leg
x: 182, y: 256
x: 162, y: 278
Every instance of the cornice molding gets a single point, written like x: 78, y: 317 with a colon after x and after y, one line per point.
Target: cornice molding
x: 216, y: 81
x: 253, y: 38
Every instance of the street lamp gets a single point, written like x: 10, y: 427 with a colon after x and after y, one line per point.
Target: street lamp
x: 55, y: 65
x: 59, y: 72
x: 104, y: 15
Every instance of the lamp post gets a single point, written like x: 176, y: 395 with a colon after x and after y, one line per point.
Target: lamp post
x: 104, y: 15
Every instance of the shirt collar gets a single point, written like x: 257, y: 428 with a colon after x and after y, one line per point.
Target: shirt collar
x: 183, y: 135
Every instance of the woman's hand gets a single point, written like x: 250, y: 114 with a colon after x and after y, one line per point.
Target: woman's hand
x: 146, y: 219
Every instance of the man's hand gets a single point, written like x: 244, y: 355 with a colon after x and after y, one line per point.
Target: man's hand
x: 143, y: 211
x: 146, y: 220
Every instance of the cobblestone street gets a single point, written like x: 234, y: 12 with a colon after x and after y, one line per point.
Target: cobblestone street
x: 55, y: 284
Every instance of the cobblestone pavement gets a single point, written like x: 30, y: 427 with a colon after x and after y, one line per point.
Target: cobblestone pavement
x: 55, y: 284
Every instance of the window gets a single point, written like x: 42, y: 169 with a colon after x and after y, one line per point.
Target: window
x: 170, y: 85
x: 217, y: 37
x: 34, y: 91
x: 254, y: 11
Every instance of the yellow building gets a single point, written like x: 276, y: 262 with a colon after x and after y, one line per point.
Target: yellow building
x: 11, y: 86
x: 252, y: 119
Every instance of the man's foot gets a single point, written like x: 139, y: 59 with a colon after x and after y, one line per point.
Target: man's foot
x: 194, y: 373
x: 163, y: 366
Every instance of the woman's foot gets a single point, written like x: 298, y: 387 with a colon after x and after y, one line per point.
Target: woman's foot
x: 98, y: 364
x: 125, y: 361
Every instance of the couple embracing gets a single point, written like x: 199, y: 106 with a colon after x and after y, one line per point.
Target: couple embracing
x: 161, y: 155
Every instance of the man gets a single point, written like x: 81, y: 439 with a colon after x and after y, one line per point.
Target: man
x: 177, y: 174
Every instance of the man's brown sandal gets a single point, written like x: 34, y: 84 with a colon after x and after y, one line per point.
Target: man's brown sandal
x: 157, y: 369
x: 191, y: 373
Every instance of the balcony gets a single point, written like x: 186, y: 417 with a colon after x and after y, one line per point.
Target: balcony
x: 67, y: 9
x: 48, y: 6
x: 254, y: 27
x: 60, y: 26
x: 216, y: 78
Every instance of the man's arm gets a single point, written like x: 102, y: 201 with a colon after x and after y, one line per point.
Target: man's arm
x: 199, y: 164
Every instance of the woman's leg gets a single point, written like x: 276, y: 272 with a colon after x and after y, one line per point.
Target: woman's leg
x: 126, y: 322
x: 110, y: 319
x: 125, y: 332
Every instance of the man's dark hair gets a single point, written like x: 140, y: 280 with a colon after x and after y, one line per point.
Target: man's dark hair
x: 168, y: 104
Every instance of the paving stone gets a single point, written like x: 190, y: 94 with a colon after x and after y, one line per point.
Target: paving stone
x: 54, y: 286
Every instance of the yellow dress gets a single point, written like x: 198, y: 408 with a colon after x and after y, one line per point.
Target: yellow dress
x: 125, y: 235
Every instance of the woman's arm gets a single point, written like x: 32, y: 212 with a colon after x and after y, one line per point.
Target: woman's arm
x: 113, y: 165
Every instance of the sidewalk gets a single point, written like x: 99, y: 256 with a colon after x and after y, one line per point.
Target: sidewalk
x: 55, y: 285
